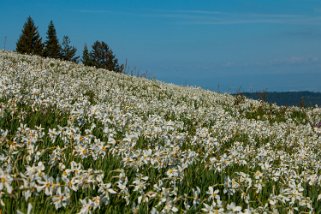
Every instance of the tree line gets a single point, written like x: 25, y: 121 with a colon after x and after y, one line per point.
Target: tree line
x: 30, y: 42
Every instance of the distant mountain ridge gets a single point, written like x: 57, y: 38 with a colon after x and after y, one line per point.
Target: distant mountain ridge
x: 300, y: 98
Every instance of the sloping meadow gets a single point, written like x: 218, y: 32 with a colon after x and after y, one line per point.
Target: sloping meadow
x: 76, y: 139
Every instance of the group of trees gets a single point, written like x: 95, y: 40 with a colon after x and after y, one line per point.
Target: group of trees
x: 30, y: 42
x: 101, y: 56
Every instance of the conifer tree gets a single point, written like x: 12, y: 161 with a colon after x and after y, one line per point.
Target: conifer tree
x: 30, y: 40
x: 86, y: 57
x: 67, y: 51
x: 52, y: 47
x: 102, y: 57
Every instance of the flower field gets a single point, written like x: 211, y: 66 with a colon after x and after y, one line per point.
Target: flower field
x: 76, y: 139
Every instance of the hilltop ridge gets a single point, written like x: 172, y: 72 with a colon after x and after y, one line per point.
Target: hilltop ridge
x: 291, y: 98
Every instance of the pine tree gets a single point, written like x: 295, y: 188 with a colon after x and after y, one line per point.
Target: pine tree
x: 67, y: 51
x: 30, y: 40
x: 86, y: 57
x: 52, y: 47
x: 102, y: 57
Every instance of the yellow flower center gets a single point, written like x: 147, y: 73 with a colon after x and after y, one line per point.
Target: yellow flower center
x: 3, y: 180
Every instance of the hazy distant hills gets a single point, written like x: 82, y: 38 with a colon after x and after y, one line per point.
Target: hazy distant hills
x: 305, y: 98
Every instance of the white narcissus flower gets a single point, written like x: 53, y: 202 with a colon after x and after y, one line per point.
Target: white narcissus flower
x: 87, y: 206
x: 29, y: 208
x: 207, y: 208
x: 258, y: 175
x: 212, y: 209
x: 232, y: 207
x: 106, y: 190
x: 5, y: 181
x: 47, y: 184
x: 172, y: 172
x: 213, y: 195
x: 60, y: 198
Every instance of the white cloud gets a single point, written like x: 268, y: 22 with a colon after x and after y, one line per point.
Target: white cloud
x: 223, y: 18
x: 291, y: 61
x: 206, y: 17
x: 297, y: 60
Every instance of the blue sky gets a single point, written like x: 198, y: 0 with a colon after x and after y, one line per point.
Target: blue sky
x: 233, y: 45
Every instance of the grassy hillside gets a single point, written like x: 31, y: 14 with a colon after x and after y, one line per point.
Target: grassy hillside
x: 79, y: 139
